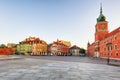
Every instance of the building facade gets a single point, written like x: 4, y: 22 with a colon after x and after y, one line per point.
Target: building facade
x: 110, y: 46
x: 59, y: 48
x: 13, y: 46
x: 6, y: 51
x: 75, y: 50
x: 24, y: 48
x: 90, y: 49
x: 39, y: 47
x: 106, y: 44
x: 32, y: 46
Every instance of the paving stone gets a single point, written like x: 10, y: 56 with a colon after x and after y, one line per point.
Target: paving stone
x: 3, y: 74
x: 35, y: 69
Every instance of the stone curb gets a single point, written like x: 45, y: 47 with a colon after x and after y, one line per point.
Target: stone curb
x: 114, y: 64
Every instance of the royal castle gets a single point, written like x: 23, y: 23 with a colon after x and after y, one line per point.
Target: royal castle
x: 106, y: 44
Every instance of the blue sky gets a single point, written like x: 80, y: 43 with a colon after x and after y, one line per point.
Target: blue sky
x: 71, y: 20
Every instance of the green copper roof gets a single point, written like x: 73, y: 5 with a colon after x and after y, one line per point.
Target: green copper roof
x: 101, y: 16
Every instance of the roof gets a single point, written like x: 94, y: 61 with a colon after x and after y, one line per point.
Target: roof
x: 37, y: 39
x: 67, y: 43
x: 101, y: 16
x: 113, y: 32
x: 58, y: 43
x: 74, y: 47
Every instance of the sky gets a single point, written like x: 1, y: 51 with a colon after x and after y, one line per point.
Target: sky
x: 69, y: 20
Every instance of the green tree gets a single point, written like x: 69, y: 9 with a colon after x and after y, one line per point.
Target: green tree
x: 17, y: 52
x: 3, y: 46
x: 82, y: 51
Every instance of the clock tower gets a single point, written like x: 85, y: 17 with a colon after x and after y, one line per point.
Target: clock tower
x: 101, y: 31
x: 101, y: 27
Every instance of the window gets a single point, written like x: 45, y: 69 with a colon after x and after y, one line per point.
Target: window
x: 111, y: 40
x: 115, y: 46
x: 110, y: 47
x: 117, y: 54
x: 104, y: 49
x: 115, y: 38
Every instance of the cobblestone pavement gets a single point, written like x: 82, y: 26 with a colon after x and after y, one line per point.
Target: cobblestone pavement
x: 37, y: 69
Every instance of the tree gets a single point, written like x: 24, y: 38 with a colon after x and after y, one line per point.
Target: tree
x: 82, y: 51
x: 17, y: 52
x: 3, y: 46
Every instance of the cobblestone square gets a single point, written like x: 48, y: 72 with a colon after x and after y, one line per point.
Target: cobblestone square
x: 39, y: 69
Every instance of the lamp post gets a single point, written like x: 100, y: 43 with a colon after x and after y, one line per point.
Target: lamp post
x: 109, y: 45
x: 108, y: 60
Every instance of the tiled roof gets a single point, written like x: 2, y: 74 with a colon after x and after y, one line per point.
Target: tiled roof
x: 74, y: 47
x: 58, y: 43
x: 113, y: 32
x: 37, y: 39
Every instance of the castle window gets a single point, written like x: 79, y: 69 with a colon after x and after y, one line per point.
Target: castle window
x: 117, y: 54
x: 111, y: 47
x: 115, y: 38
x: 111, y: 40
x: 115, y: 46
x: 104, y: 49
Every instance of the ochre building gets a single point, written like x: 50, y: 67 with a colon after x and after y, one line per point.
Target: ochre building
x: 32, y: 46
x: 39, y: 47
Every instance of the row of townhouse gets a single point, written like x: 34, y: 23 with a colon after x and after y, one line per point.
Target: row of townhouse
x: 36, y: 46
x: 106, y: 44
x: 32, y: 46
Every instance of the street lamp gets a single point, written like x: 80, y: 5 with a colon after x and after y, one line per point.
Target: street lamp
x: 108, y: 60
x: 109, y: 47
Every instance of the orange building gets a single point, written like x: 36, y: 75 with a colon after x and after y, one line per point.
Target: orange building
x: 106, y: 44
x: 39, y: 47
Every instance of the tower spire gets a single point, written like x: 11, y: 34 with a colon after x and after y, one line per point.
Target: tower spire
x: 100, y: 8
x: 101, y: 16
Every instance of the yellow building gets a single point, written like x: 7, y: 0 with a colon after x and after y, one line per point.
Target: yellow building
x: 67, y: 43
x: 32, y: 46
x: 25, y: 48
